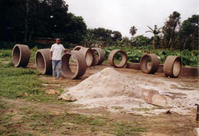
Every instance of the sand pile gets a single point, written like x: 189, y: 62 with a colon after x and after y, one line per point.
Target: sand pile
x: 114, y: 90
x: 107, y: 83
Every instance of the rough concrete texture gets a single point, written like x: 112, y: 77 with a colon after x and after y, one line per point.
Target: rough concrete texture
x: 186, y: 71
x: 99, y: 58
x: 79, y: 59
x: 112, y: 55
x: 43, y: 61
x: 87, y: 53
x: 172, y: 66
x: 149, y: 63
x: 196, y: 132
x: 20, y: 55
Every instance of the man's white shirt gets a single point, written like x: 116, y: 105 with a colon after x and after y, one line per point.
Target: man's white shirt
x: 57, y: 50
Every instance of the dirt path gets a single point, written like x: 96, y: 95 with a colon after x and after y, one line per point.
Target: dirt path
x: 157, y: 125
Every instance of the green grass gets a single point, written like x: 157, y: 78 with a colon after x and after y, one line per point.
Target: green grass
x: 42, y: 121
x: 5, y: 55
x: 126, y: 129
x: 35, y: 121
x: 22, y: 83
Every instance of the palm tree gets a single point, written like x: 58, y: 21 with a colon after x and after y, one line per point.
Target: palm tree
x: 155, y: 32
x: 133, y: 30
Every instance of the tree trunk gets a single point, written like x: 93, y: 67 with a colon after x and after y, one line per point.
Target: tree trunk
x: 26, y: 21
x: 154, y: 42
x: 185, y: 42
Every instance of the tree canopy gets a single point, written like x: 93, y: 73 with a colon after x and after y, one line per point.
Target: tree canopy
x: 22, y: 20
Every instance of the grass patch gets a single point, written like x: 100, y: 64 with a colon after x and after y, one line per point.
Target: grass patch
x: 22, y: 83
x: 125, y: 129
x: 71, y: 123
x: 5, y: 55
x: 18, y: 82
x: 42, y: 121
x: 32, y: 54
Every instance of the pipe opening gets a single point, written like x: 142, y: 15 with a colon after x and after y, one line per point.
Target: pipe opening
x: 69, y: 66
x: 119, y: 59
x: 149, y: 63
x: 146, y: 64
x: 176, y: 67
x: 89, y: 58
x: 16, y: 55
x: 40, y: 62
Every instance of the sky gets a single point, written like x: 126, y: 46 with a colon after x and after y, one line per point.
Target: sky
x: 120, y: 15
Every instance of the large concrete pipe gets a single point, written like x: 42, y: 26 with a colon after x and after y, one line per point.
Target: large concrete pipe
x: 99, y: 56
x: 172, y: 66
x: 111, y: 58
x: 149, y: 63
x: 43, y: 61
x: 81, y: 66
x: 20, y: 55
x: 87, y: 53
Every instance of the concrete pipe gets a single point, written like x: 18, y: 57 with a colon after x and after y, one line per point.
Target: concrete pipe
x: 99, y: 56
x: 149, y: 63
x: 111, y: 58
x: 20, y: 55
x: 80, y: 65
x: 87, y: 53
x: 43, y: 61
x: 172, y: 66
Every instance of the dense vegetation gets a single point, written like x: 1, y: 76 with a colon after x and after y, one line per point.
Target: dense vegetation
x: 23, y: 21
x: 27, y: 20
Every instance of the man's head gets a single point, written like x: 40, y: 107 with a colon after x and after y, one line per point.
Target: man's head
x: 58, y: 40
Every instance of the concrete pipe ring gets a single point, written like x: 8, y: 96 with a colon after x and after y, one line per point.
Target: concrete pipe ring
x: 111, y: 58
x: 88, y: 54
x: 43, y: 61
x: 149, y: 63
x: 99, y: 56
x: 20, y: 55
x: 80, y: 65
x: 172, y: 66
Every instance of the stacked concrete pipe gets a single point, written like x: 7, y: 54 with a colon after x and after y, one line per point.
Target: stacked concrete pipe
x: 172, y: 66
x: 20, y: 55
x: 81, y: 66
x: 99, y: 58
x: 149, y: 67
x: 112, y: 55
x: 87, y: 53
x: 43, y: 61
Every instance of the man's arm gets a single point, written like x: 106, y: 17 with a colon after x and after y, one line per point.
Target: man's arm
x: 51, y: 52
x: 67, y: 51
x: 51, y: 55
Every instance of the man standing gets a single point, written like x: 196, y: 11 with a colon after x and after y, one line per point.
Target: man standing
x: 56, y: 54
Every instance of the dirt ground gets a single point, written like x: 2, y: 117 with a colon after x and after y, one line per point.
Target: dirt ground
x: 160, y: 125
x: 164, y: 124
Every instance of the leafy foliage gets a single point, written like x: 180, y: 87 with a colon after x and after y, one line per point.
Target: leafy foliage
x: 102, y: 36
x: 25, y: 20
x: 190, y: 58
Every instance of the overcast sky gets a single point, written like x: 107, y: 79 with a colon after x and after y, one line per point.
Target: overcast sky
x: 120, y: 15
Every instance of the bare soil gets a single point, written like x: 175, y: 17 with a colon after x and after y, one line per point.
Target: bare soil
x: 165, y: 124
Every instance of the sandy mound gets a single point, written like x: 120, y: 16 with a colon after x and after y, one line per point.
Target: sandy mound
x: 107, y: 83
x: 115, y: 90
